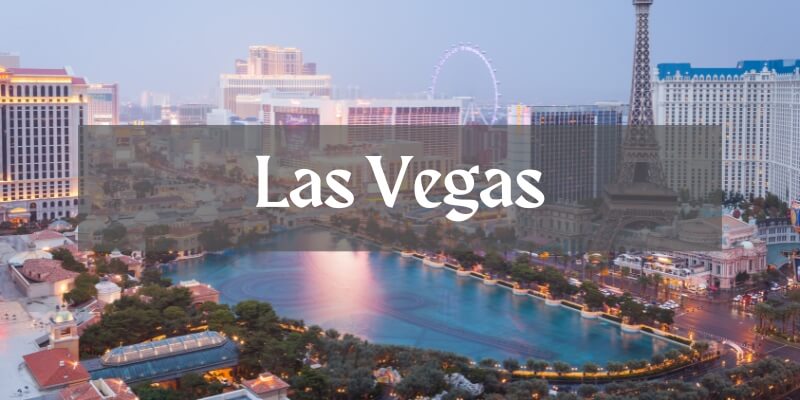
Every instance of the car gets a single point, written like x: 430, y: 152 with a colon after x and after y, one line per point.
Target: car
x: 737, y: 298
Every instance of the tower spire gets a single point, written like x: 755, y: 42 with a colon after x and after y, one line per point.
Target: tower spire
x: 640, y: 148
x: 641, y: 101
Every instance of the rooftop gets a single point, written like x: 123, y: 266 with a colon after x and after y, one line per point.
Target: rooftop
x: 666, y: 70
x: 199, y: 290
x: 265, y: 383
x: 46, y: 235
x: 162, y: 348
x: 165, y: 359
x: 44, y: 270
x: 98, y: 389
x: 55, y: 367
x: 38, y: 71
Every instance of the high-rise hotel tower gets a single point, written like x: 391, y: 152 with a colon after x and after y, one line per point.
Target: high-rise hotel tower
x: 757, y: 104
x: 41, y: 111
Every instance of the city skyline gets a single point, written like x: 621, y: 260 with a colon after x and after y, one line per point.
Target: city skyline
x: 186, y: 58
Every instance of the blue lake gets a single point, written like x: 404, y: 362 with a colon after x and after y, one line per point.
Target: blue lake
x: 385, y: 298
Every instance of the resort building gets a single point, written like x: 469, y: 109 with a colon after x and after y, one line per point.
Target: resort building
x: 777, y: 231
x: 578, y: 146
x: 41, y: 111
x: 297, y: 121
x: 274, y: 60
x: 42, y: 277
x: 193, y: 113
x: 741, y: 252
x: 270, y: 69
x: 103, y: 104
x: 98, y: 389
x: 756, y: 105
x: 166, y: 359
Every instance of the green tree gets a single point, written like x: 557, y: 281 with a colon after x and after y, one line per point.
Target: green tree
x: 194, y: 386
x: 587, y: 391
x: 536, y: 366
x: 527, y: 389
x: 84, y: 289
x: 422, y: 380
x: 561, y: 367
x: 147, y: 392
x: 590, y: 368
x: 152, y: 276
x: 510, y: 364
x: 217, y: 237
x: 311, y: 384
x: 68, y: 260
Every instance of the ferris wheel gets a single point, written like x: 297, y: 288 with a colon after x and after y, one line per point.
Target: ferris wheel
x: 475, y: 50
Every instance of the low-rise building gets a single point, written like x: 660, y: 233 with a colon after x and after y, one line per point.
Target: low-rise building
x: 201, y: 292
x: 108, y: 292
x: 166, y: 359
x: 42, y: 278
x: 265, y: 387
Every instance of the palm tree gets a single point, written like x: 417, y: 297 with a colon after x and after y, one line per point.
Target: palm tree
x: 656, y: 279
x: 536, y: 366
x: 589, y: 367
x: 764, y: 312
x: 561, y: 367
x: 644, y: 281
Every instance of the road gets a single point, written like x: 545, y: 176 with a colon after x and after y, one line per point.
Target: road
x: 701, y: 317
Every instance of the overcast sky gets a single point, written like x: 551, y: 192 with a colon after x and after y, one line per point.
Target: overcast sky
x: 545, y: 52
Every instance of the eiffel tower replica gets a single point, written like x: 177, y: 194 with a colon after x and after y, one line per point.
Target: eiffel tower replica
x: 640, y: 197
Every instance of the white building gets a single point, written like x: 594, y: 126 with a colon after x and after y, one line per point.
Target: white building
x: 103, y: 104
x: 41, y: 111
x: 108, y: 292
x: 755, y: 103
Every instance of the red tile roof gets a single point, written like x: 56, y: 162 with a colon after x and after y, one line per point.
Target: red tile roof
x: 265, y: 383
x: 111, y: 388
x: 46, y: 235
x: 200, y: 290
x: 44, y: 270
x: 55, y: 367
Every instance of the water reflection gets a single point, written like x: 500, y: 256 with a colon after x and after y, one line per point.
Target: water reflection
x: 385, y: 298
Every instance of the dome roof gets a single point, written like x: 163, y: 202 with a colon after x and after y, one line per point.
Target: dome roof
x: 63, y: 316
x: 59, y: 226
x: 146, y: 217
x: 31, y: 254
x: 746, y: 244
x: 106, y: 287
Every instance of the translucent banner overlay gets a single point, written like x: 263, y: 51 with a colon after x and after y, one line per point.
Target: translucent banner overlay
x: 192, y: 189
